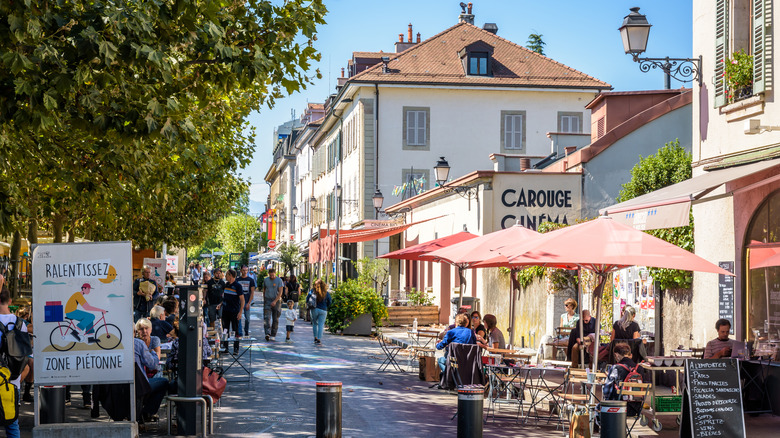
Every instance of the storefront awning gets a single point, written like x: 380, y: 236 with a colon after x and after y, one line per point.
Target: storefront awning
x: 324, y: 248
x: 670, y: 206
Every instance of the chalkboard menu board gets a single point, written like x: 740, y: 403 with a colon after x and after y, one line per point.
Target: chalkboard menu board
x: 713, y: 406
x: 726, y: 294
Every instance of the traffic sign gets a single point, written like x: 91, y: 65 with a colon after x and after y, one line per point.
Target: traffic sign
x: 205, y: 256
x: 271, y: 244
x: 218, y: 253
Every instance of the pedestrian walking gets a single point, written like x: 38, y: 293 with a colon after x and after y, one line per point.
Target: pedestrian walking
x: 273, y: 287
x: 233, y: 302
x: 320, y: 310
x: 195, y: 274
x: 248, y: 286
x: 214, y: 289
x: 145, y: 293
x: 293, y: 291
x: 290, y: 315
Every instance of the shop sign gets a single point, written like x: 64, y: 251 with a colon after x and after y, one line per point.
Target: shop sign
x: 534, y: 199
x: 82, y: 301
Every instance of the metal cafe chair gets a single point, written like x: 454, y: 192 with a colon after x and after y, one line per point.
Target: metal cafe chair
x: 391, y: 351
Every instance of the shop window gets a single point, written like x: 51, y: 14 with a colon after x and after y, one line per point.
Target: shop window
x: 762, y: 297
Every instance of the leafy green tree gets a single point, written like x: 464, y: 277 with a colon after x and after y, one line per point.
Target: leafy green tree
x: 375, y: 272
x: 289, y: 256
x: 121, y: 119
x: 535, y: 43
x: 670, y: 165
x: 237, y: 232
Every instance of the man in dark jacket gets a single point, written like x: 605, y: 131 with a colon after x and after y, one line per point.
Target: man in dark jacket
x: 145, y: 293
x: 575, y: 340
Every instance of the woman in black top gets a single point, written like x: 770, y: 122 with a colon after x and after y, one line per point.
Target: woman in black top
x: 626, y: 328
x: 476, y: 324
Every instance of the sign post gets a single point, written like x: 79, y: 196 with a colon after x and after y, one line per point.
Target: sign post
x: 82, y: 313
x: 271, y: 244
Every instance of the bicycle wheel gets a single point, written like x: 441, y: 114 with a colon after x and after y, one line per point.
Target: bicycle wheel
x: 61, y: 339
x: 108, y: 336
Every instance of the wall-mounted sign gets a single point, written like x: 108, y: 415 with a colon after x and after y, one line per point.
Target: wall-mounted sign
x: 534, y: 198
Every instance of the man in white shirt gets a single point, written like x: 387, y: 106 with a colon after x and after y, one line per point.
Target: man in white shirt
x: 9, y: 319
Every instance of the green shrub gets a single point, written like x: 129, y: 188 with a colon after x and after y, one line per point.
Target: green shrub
x: 351, y: 299
x: 419, y: 298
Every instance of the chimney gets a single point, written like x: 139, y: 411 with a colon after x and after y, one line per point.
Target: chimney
x: 525, y: 164
x: 570, y: 150
x: 402, y: 45
x: 342, y: 72
x: 466, y: 17
x: 491, y: 27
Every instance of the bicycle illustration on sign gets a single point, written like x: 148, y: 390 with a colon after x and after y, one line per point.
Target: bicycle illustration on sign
x: 76, y: 325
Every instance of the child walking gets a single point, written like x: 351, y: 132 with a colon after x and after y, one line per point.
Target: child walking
x: 290, y: 315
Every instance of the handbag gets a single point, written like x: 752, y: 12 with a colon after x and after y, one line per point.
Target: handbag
x: 213, y: 383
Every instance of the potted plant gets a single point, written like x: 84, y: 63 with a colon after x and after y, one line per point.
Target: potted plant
x: 738, y: 74
x: 355, y: 306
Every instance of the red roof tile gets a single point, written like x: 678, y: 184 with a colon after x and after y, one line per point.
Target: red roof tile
x: 436, y: 61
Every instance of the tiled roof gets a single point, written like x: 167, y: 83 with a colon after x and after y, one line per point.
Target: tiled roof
x: 436, y: 61
x: 371, y: 54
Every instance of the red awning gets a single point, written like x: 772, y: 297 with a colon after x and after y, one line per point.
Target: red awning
x: 419, y: 251
x: 325, y: 248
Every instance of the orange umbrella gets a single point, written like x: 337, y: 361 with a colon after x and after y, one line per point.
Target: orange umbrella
x: 479, y: 252
x: 603, y: 246
x: 419, y: 251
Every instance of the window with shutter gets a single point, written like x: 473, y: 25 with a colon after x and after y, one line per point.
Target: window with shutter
x: 759, y: 43
x: 721, y: 50
x: 513, y: 131
x: 570, y: 122
x: 416, y: 135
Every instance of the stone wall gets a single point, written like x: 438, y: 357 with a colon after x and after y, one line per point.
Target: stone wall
x: 677, y: 319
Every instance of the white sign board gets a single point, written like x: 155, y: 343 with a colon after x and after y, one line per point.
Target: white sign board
x: 76, y: 343
x: 172, y: 263
x: 158, y: 267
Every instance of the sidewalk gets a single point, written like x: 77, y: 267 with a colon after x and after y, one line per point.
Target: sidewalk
x: 279, y: 400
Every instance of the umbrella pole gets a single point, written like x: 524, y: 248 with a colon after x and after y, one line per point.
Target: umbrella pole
x: 462, y: 288
x: 582, y: 332
x: 766, y: 281
x: 599, y: 291
x: 511, y: 327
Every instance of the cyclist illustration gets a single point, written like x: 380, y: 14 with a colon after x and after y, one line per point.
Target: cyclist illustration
x: 84, y: 318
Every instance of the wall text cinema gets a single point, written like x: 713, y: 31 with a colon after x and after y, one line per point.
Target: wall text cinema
x: 83, y: 362
x: 535, y: 199
x: 76, y: 270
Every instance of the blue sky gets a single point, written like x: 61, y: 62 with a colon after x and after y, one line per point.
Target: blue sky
x: 582, y: 35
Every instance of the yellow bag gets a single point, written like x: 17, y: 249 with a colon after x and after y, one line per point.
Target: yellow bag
x: 579, y: 427
x: 9, y: 398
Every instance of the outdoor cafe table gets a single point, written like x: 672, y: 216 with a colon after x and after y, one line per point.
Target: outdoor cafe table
x: 421, y: 335
x: 533, y: 379
x: 244, y: 345
x: 504, y: 387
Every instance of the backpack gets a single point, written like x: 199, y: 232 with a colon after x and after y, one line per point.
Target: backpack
x: 9, y: 398
x: 293, y: 293
x: 311, y: 301
x: 15, y: 349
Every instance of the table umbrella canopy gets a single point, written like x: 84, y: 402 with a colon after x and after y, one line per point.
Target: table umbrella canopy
x: 480, y: 250
x: 763, y: 255
x: 605, y: 245
x: 266, y: 256
x: 419, y: 251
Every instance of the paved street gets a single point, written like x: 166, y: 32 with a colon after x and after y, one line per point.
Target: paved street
x: 279, y: 400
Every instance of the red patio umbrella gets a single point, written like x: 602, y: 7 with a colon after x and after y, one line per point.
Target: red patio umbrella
x: 765, y: 256
x: 419, y: 251
x: 469, y: 253
x: 603, y: 246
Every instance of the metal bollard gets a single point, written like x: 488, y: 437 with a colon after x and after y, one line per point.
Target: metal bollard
x: 328, y: 409
x: 52, y: 400
x: 470, y: 400
x: 613, y: 419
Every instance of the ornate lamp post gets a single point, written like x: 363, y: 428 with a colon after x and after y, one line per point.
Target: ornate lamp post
x: 635, y: 32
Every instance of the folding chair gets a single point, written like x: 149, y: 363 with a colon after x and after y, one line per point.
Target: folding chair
x: 636, y: 392
x: 390, y: 352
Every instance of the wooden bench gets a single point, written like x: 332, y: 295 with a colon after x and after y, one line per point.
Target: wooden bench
x: 401, y: 315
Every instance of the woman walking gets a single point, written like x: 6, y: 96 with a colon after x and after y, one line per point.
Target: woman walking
x: 320, y: 311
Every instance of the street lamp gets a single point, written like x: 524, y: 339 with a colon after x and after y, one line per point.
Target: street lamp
x: 442, y: 173
x: 635, y: 32
x: 378, y: 200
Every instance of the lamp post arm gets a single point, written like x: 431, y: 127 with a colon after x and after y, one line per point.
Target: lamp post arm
x: 681, y: 69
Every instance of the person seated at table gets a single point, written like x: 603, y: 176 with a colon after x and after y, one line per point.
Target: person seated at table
x: 570, y: 318
x: 461, y: 311
x: 618, y: 372
x: 476, y: 324
x: 160, y: 326
x: 627, y: 330
x: 143, y: 331
x: 574, y: 347
x: 147, y: 359
x: 721, y: 346
x: 461, y: 334
x: 495, y: 339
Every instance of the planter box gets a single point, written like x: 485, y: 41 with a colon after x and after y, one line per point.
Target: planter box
x: 360, y: 326
x: 404, y: 315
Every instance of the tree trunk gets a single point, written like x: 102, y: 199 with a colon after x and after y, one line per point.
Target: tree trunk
x: 71, y: 235
x: 16, y: 249
x: 32, y: 231
x: 57, y: 225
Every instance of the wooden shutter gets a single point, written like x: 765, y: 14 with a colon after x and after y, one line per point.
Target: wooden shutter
x: 421, y: 127
x: 721, y: 50
x: 411, y: 127
x: 508, y: 131
x: 759, y: 43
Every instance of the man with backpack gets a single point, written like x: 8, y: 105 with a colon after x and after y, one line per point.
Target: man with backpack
x: 17, y: 366
x: 624, y: 370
